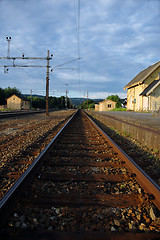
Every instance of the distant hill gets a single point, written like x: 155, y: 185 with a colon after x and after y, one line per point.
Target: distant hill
x: 74, y: 101
x: 33, y: 95
x: 79, y: 101
x: 97, y: 100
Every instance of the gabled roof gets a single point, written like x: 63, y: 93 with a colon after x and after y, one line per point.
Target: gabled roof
x: 19, y: 96
x: 107, y: 100
x: 148, y: 90
x: 139, y: 78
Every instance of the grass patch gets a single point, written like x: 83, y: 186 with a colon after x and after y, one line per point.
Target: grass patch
x: 119, y: 109
x: 5, y: 110
x: 126, y: 134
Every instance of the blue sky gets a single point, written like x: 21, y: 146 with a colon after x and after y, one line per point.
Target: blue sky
x: 117, y: 39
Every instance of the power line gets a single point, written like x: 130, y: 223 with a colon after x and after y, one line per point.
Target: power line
x: 48, y: 58
x: 31, y: 60
x: 75, y: 15
x: 79, y: 43
x: 78, y: 28
x: 18, y: 49
x: 65, y: 63
x: 77, y: 23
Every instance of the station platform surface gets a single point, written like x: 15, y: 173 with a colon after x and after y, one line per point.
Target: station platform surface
x: 143, y: 119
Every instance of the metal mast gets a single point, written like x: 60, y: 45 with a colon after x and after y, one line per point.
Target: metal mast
x: 48, y: 58
x: 47, y: 85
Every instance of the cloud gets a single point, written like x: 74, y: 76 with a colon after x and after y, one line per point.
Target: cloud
x: 117, y: 40
x: 104, y: 95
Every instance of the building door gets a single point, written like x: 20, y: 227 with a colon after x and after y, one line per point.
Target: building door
x: 145, y: 103
x: 130, y: 107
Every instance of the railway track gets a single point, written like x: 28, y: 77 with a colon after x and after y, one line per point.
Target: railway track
x: 19, y: 113
x: 82, y: 186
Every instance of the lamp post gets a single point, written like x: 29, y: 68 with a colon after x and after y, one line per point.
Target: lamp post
x: 8, y: 40
x: 66, y: 95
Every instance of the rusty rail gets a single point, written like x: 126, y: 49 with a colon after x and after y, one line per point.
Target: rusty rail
x: 24, y: 180
x: 76, y: 149
x: 142, y: 178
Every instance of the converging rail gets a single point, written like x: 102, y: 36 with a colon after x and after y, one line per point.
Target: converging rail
x: 19, y: 113
x: 82, y: 186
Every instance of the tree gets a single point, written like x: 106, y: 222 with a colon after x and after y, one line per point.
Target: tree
x: 90, y: 104
x: 2, y: 97
x: 62, y: 102
x: 9, y: 91
x: 116, y: 99
x: 58, y: 102
x: 6, y: 93
x: 38, y: 102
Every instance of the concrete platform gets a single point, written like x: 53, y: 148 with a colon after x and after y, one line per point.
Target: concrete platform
x: 142, y: 119
x: 143, y: 127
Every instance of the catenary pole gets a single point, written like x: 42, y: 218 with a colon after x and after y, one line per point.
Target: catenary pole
x: 47, y: 85
x: 31, y: 99
x: 21, y: 66
x: 66, y: 96
x: 87, y: 99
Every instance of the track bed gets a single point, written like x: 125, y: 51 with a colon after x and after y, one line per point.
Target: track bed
x: 82, y: 186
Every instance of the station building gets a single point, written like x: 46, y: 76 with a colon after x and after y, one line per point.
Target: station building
x: 143, y: 91
x: 105, y: 105
x: 18, y: 102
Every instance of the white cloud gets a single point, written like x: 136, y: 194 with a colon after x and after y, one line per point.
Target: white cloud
x: 104, y: 95
x: 117, y: 39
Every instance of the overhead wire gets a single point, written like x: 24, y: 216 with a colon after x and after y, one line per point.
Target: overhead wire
x: 78, y: 36
x: 75, y: 16
x: 78, y: 28
x: 77, y: 23
x: 26, y: 62
x: 18, y: 49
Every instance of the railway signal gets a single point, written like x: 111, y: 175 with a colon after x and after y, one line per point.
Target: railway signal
x: 48, y: 58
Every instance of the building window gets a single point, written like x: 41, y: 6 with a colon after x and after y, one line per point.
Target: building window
x: 13, y: 98
x: 109, y: 105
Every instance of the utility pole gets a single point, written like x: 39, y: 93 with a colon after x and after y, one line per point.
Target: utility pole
x: 8, y: 40
x: 66, y: 95
x: 61, y: 102
x: 84, y: 100
x: 31, y: 99
x: 70, y: 103
x: 87, y: 99
x: 47, y: 85
x: 48, y: 58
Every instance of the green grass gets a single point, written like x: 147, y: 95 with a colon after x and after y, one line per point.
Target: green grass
x: 4, y: 110
x: 7, y: 109
x: 119, y: 109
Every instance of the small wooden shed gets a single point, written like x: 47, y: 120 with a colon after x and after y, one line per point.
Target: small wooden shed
x: 96, y: 107
x: 105, y: 105
x: 18, y: 102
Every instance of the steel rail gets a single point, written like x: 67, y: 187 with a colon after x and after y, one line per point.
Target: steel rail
x: 22, y: 113
x: 145, y: 181
x: 20, y: 183
x: 19, y: 113
x: 142, y: 178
